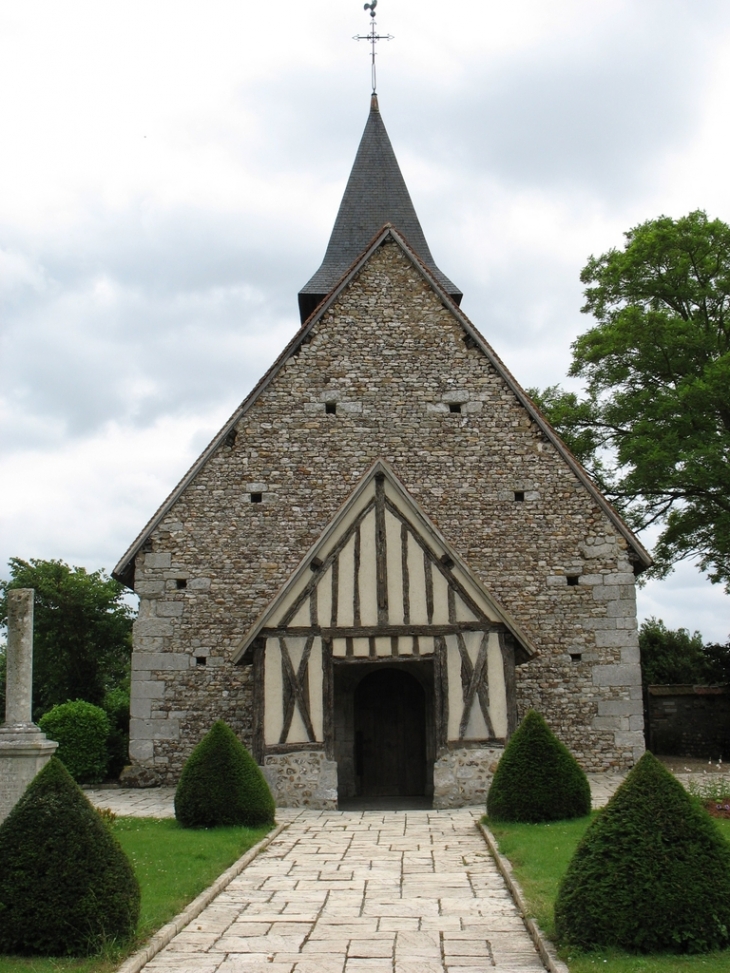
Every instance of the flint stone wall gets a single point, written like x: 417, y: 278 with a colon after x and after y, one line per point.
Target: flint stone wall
x: 302, y: 779
x: 392, y: 358
x: 463, y: 776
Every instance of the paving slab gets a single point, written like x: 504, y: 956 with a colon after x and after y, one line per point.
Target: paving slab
x: 335, y: 892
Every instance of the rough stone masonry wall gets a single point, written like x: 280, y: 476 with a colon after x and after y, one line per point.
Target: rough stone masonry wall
x: 393, y: 359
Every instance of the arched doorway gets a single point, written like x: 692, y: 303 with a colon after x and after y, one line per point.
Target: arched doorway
x: 390, y: 735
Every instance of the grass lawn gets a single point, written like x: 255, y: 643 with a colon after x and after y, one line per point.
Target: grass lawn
x: 173, y: 865
x: 539, y: 854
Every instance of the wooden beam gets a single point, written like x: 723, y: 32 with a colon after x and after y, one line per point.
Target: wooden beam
x: 258, y: 701
x: 293, y: 747
x: 476, y: 686
x: 366, y: 631
x: 381, y: 550
x: 507, y: 646
x: 356, y: 580
x: 404, y: 573
x: 445, y: 572
x: 328, y: 700
x: 335, y: 590
x: 427, y: 561
x: 297, y: 691
x: 326, y: 563
x: 441, y: 693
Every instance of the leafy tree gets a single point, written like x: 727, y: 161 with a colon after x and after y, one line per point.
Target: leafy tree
x: 676, y: 657
x: 653, y: 427
x: 82, y: 635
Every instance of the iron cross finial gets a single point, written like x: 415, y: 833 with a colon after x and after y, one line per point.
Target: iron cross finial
x: 373, y: 37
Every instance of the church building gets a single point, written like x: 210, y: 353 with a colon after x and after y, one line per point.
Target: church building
x: 387, y: 555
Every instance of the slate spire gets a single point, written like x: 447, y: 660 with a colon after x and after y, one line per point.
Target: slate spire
x: 376, y: 194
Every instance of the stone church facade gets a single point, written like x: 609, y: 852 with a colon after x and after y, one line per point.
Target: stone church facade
x: 387, y: 555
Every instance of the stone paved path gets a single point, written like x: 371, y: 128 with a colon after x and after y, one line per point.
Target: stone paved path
x: 362, y: 892
x: 356, y: 892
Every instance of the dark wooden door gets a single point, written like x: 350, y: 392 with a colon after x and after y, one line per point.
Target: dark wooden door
x: 390, y: 735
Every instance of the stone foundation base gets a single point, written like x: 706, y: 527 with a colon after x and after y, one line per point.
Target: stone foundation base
x: 462, y: 777
x: 24, y: 750
x: 140, y: 775
x: 302, y: 779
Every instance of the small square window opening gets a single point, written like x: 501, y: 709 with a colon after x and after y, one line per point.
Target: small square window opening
x: 330, y: 408
x: 200, y: 660
x: 454, y: 407
x: 575, y: 656
x: 519, y: 496
x: 181, y: 583
x: 572, y: 580
x: 257, y: 497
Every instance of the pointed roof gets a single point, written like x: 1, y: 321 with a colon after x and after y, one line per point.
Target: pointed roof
x: 376, y: 194
x: 124, y: 571
x: 473, y: 606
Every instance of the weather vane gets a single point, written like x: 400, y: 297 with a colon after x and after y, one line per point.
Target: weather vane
x: 373, y: 37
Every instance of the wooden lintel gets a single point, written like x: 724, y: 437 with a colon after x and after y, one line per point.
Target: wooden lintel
x: 292, y: 747
x: 375, y: 631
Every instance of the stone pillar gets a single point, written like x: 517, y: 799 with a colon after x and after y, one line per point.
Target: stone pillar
x: 24, y: 749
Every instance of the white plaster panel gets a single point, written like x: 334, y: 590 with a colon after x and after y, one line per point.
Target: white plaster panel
x: 416, y: 583
x: 302, y: 615
x: 455, y: 697
x: 273, y: 716
x: 297, y: 730
x: 395, y: 569
x: 361, y: 647
x: 497, y: 687
x: 368, y: 574
x: 324, y: 598
x: 440, y: 597
x: 463, y: 612
x: 476, y: 728
x: 345, y: 583
x: 339, y: 648
x: 383, y: 646
x: 296, y: 650
x: 425, y: 645
x: 316, y: 703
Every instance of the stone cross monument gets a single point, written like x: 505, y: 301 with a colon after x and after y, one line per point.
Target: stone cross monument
x: 24, y: 748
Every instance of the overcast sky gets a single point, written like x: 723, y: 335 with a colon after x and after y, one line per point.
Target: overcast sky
x: 171, y: 172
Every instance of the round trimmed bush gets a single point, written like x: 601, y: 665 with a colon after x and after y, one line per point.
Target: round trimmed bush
x: 81, y: 730
x: 66, y: 886
x: 221, y: 784
x: 652, y: 873
x: 538, y: 778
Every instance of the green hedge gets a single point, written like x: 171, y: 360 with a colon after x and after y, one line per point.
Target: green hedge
x: 537, y: 778
x: 116, y: 707
x: 66, y: 886
x: 221, y: 784
x: 81, y: 730
x: 651, y: 874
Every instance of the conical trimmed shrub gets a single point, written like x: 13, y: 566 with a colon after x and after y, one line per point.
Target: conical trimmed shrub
x: 538, y: 778
x: 652, y: 873
x: 66, y: 886
x: 221, y: 784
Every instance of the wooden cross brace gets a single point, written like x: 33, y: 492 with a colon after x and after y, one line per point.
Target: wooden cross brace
x: 474, y: 683
x: 296, y: 689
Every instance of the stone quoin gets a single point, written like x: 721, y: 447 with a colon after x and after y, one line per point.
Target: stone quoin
x: 387, y: 555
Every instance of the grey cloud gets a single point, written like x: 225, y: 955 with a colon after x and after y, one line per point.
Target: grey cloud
x: 591, y: 114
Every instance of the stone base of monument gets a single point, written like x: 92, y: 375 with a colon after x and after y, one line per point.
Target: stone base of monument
x: 24, y: 750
